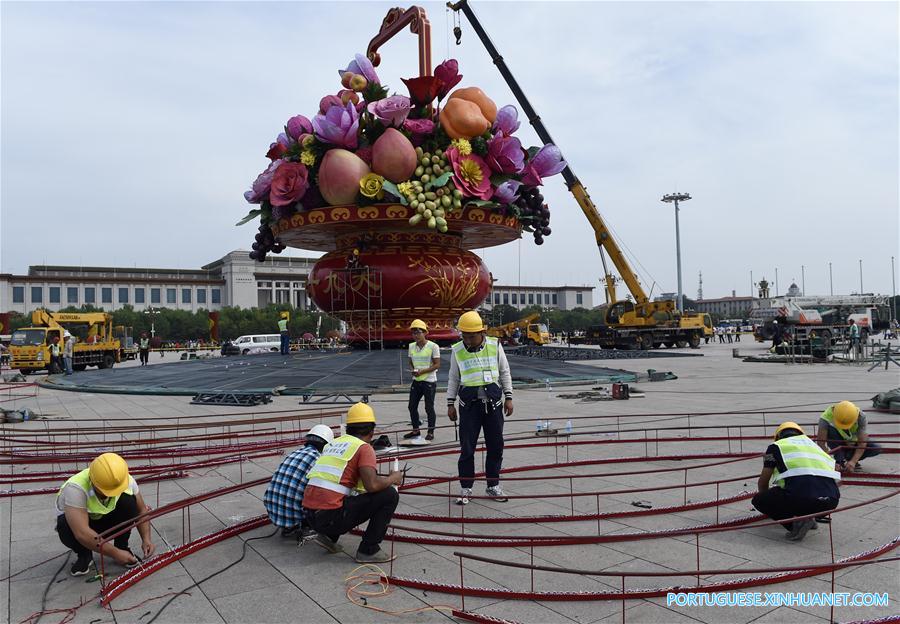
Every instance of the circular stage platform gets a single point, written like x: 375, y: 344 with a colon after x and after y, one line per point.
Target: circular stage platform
x: 307, y: 373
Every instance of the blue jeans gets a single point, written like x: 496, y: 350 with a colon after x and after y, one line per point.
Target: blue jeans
x: 285, y: 343
x: 67, y: 361
x: 835, y: 440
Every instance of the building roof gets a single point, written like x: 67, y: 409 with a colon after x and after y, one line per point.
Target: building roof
x: 726, y: 299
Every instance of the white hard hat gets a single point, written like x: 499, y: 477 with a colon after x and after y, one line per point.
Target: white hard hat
x: 67, y: 334
x: 322, y: 431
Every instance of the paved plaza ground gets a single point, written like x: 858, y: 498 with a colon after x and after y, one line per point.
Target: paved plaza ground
x: 278, y: 582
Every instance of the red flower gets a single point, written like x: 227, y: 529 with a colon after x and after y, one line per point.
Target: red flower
x: 276, y: 151
x: 289, y: 184
x: 423, y: 90
x: 448, y: 73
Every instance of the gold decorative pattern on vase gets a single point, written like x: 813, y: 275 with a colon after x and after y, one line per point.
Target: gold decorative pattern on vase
x: 397, y: 212
x: 451, y: 284
x: 340, y: 214
x: 368, y: 212
x: 317, y: 216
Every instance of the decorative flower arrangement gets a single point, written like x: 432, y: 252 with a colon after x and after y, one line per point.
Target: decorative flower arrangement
x: 364, y: 147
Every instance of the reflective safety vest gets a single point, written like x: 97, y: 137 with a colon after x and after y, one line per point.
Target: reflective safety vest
x: 329, y: 468
x: 422, y: 359
x: 480, y: 368
x: 54, y: 349
x: 802, y: 456
x: 145, y: 343
x: 95, y: 508
x: 848, y: 434
x: 282, y: 325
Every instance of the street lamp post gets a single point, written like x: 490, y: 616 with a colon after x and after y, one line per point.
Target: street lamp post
x: 152, y: 312
x: 675, y: 198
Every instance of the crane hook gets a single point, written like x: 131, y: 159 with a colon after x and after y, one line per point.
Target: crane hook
x: 457, y: 32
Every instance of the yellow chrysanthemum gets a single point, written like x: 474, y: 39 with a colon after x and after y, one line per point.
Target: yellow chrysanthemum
x: 405, y: 188
x: 463, y: 145
x: 470, y: 171
x: 308, y: 158
x: 371, y: 186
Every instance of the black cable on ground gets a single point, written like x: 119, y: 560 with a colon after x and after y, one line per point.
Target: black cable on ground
x: 203, y: 580
x: 49, y: 585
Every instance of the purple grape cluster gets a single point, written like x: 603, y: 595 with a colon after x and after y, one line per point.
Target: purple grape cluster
x: 532, y: 208
x: 265, y: 242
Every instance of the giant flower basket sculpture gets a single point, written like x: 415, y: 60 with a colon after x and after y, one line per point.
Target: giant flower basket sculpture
x: 397, y: 190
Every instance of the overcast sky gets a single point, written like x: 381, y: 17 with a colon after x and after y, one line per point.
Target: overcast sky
x: 131, y: 130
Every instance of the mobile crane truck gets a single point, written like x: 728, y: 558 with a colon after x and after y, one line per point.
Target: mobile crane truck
x: 96, y: 346
x: 640, y: 323
x: 533, y: 333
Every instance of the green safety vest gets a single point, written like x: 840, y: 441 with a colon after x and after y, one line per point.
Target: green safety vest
x: 474, y: 366
x: 145, y: 343
x: 282, y: 325
x: 848, y: 434
x: 95, y: 508
x: 422, y: 359
x: 54, y: 349
x: 802, y: 456
x: 329, y: 468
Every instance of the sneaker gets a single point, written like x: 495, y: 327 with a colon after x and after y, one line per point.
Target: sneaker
x: 290, y: 531
x: 801, y: 528
x: 430, y: 436
x: 82, y: 565
x: 463, y: 498
x: 415, y: 433
x: 328, y: 544
x: 496, y: 492
x: 379, y: 556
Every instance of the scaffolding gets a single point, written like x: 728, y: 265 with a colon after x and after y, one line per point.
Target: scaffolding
x: 356, y: 299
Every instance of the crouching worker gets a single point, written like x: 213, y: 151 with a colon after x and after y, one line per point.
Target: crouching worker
x: 95, y: 500
x: 842, y: 428
x: 284, y: 496
x: 798, y: 478
x: 344, y: 490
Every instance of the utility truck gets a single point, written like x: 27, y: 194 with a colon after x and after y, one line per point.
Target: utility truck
x: 531, y: 332
x: 96, y: 343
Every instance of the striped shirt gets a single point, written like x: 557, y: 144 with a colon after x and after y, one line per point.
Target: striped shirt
x: 284, y: 496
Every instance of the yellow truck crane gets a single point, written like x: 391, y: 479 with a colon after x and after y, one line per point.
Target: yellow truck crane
x: 96, y: 345
x: 636, y: 323
x: 532, y: 332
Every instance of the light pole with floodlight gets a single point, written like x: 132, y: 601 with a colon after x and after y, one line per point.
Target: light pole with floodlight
x: 675, y: 198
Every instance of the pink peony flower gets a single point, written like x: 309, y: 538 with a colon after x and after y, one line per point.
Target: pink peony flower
x: 260, y: 189
x: 289, y: 184
x: 420, y: 129
x: 471, y: 175
x: 338, y: 126
x: 391, y: 111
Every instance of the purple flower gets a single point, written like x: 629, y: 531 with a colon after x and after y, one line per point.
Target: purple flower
x: 448, y: 73
x: 507, y: 120
x: 507, y: 192
x: 327, y: 102
x: 298, y: 125
x: 283, y: 139
x: 547, y: 162
x: 263, y: 183
x: 420, y: 130
x: 363, y: 66
x: 505, y: 154
x: 338, y: 126
x: 391, y: 111
x: 282, y: 212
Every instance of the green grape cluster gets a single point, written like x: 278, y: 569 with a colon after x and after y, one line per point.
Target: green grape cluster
x: 431, y: 204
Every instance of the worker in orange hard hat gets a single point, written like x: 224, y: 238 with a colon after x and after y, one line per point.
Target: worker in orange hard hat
x: 842, y: 428
x: 798, y: 478
x: 95, y: 500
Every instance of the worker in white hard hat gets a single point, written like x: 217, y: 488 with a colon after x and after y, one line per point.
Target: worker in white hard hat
x: 480, y: 378
x: 798, y: 478
x: 424, y: 360
x: 842, y: 428
x: 284, y: 496
x: 345, y: 490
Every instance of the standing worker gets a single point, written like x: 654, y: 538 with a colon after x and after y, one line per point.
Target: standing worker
x: 854, y: 337
x: 284, y: 496
x: 95, y: 500
x: 798, y: 478
x: 425, y: 360
x: 344, y: 490
x: 480, y: 377
x: 842, y: 428
x: 68, y: 352
x: 144, y: 348
x: 55, y: 355
x: 285, y: 334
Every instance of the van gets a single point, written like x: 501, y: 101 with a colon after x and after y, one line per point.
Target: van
x: 257, y: 343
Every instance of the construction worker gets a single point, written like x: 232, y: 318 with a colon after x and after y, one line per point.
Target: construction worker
x: 95, y: 500
x: 344, y: 490
x: 798, y: 478
x: 68, y: 352
x: 284, y: 496
x: 285, y: 334
x: 144, y: 349
x: 842, y: 428
x: 55, y: 355
x: 424, y: 360
x: 854, y: 336
x: 480, y: 378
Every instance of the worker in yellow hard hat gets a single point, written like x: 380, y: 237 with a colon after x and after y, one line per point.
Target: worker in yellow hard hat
x: 344, y: 490
x: 480, y: 378
x: 285, y: 334
x: 95, y: 500
x: 424, y: 360
x: 798, y: 478
x: 842, y: 427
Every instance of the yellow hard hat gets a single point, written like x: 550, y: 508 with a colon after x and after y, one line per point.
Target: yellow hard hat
x: 845, y: 414
x: 109, y: 474
x: 418, y: 324
x: 470, y: 322
x: 788, y: 425
x: 285, y: 315
x: 360, y: 413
